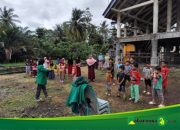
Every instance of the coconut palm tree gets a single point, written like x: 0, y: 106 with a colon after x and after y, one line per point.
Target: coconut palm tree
x: 59, y: 33
x: 7, y: 16
x: 103, y: 30
x: 14, y: 38
x: 76, y: 27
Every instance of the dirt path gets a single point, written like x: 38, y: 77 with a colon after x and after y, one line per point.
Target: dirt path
x: 17, y: 96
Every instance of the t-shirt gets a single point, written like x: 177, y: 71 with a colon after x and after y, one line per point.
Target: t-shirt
x: 135, y: 77
x: 127, y: 69
x: 46, y: 64
x: 147, y: 72
x: 100, y: 57
x: 109, y: 77
x: 41, y: 75
x: 164, y: 71
x: 118, y: 65
x: 120, y: 77
x: 107, y: 58
x: 157, y: 82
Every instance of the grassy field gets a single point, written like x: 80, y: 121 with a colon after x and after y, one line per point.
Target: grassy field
x: 17, y: 94
x: 21, y: 64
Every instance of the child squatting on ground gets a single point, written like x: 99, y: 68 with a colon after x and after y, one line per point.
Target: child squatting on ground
x: 135, y: 81
x: 41, y: 80
x: 157, y: 87
x: 121, y: 82
x: 109, y: 81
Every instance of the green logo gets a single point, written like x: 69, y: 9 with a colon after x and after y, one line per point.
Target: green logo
x: 161, y: 121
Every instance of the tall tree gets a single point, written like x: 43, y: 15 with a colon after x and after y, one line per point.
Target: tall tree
x: 40, y: 32
x: 14, y: 38
x: 103, y: 30
x: 77, y: 26
x: 7, y: 17
x: 59, y: 34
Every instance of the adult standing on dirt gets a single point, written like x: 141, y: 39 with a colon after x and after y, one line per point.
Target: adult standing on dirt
x: 41, y: 80
x: 91, y: 72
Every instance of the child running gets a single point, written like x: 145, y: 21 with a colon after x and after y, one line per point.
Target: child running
x: 157, y: 87
x: 147, y: 70
x: 108, y: 81
x: 41, y: 80
x: 135, y: 81
x: 121, y: 82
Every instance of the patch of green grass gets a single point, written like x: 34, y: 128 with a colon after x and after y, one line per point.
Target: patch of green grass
x: 21, y: 64
x: 15, y: 104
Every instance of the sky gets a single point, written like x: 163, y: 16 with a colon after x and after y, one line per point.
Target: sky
x: 48, y: 13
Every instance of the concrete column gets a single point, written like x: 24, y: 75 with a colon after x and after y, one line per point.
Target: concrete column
x: 118, y: 25
x: 154, y: 56
x: 178, y: 15
x: 169, y: 15
x: 135, y: 26
x: 125, y: 32
x: 154, y: 42
x: 155, y: 16
x: 117, y: 52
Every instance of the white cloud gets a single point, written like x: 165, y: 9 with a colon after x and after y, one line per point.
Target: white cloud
x: 47, y: 13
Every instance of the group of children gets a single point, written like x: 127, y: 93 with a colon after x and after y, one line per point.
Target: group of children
x: 155, y: 81
x: 46, y: 68
x: 31, y: 67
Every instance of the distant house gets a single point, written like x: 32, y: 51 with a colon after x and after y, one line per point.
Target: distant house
x: 148, y: 30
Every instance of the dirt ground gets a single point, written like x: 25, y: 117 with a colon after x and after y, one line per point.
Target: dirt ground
x: 17, y: 93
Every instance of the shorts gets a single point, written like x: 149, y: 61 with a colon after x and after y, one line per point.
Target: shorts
x: 108, y: 86
x: 121, y: 88
x: 148, y: 82
x: 127, y: 78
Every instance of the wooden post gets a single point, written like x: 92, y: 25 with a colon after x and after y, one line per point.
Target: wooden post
x: 118, y: 25
x: 154, y: 42
x: 169, y: 15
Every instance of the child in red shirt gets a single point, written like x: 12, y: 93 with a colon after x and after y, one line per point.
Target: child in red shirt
x: 164, y: 72
x: 135, y: 81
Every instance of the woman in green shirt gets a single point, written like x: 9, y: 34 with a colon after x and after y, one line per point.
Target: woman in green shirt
x: 41, y: 80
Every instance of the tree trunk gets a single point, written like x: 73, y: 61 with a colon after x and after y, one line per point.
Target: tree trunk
x: 8, y: 52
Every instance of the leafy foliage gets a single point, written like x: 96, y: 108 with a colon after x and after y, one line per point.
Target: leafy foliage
x: 71, y: 39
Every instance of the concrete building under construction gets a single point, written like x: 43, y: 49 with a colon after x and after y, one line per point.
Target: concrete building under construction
x: 148, y: 30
